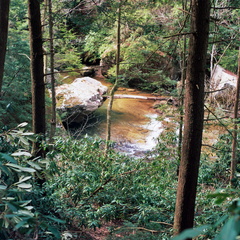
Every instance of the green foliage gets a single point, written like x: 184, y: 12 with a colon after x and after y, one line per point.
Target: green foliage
x: 86, y: 188
x: 83, y: 186
x: 191, y: 233
x: 15, y: 104
x: 217, y: 210
x: 19, y: 217
x: 145, y: 56
x: 224, y: 34
x: 227, y: 226
x: 229, y: 60
x: 67, y: 55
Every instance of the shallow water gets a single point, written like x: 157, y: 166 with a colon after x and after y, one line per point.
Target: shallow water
x: 135, y: 123
x: 134, y: 127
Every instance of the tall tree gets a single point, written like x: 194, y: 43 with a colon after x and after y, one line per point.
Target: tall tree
x: 235, y: 135
x: 4, y: 15
x: 50, y: 21
x: 183, y: 77
x: 37, y: 73
x: 194, y: 114
x: 109, y: 109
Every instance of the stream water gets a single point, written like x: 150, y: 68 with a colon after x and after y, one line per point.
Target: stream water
x: 134, y: 127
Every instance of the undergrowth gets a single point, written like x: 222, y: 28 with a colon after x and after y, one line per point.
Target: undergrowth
x: 87, y: 188
x: 84, y: 189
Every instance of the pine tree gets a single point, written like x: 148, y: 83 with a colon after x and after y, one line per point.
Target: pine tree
x: 194, y: 114
x: 37, y: 74
x: 4, y: 15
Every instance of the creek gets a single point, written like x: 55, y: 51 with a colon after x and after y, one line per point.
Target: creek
x: 134, y: 126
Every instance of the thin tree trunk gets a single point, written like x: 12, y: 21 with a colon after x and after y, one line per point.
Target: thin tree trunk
x: 4, y: 15
x: 37, y: 75
x: 194, y: 115
x: 111, y: 98
x: 44, y: 24
x: 235, y: 119
x: 53, y: 121
x: 181, y: 95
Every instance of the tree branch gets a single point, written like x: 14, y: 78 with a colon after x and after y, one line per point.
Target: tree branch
x: 179, y: 34
x: 218, y: 119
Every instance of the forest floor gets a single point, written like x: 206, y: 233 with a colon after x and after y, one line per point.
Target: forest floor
x: 101, y: 233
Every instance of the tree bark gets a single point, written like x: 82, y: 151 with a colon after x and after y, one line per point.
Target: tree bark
x: 53, y: 121
x: 235, y: 120
x: 182, y: 90
x: 109, y: 109
x: 194, y: 115
x: 37, y: 74
x: 4, y: 15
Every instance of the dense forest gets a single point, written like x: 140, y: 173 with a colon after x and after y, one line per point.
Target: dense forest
x: 57, y: 182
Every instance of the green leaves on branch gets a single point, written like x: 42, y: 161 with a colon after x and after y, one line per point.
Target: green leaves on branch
x: 18, y: 214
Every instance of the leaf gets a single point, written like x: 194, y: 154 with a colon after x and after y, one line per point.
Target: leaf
x: 24, y: 185
x: 25, y: 203
x: 25, y: 213
x: 20, y: 168
x: 18, y: 154
x: 6, y: 223
x: 12, y: 206
x: 24, y: 140
x: 24, y: 124
x: 8, y: 158
x: 8, y: 198
x: 27, y: 134
x: 3, y: 187
x: 55, y: 232
x: 55, y: 219
x: 14, y: 166
x: 20, y: 224
x: 191, y: 233
x: 220, y: 221
x: 34, y: 165
x: 29, y: 170
x: 45, y: 162
x: 23, y: 179
x: 29, y: 207
x: 230, y: 230
x: 5, y: 169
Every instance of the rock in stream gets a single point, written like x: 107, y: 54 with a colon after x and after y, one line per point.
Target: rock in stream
x: 77, y: 100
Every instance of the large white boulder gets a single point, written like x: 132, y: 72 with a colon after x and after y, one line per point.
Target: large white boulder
x: 221, y: 77
x: 79, y: 99
x: 223, y: 87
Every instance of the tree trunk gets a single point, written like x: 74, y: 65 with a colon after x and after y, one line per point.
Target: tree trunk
x: 53, y: 121
x: 194, y: 114
x: 235, y: 119
x: 4, y: 14
x: 182, y: 90
x: 109, y: 109
x: 37, y: 75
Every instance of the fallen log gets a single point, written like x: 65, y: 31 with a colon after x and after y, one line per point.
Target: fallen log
x: 121, y: 96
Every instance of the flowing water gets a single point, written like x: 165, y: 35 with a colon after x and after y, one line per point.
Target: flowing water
x: 134, y: 127
x: 135, y: 123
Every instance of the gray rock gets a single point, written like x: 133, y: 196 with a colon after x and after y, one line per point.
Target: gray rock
x: 80, y: 98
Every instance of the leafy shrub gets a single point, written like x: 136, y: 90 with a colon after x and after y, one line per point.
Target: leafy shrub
x: 87, y: 188
x: 19, y: 218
